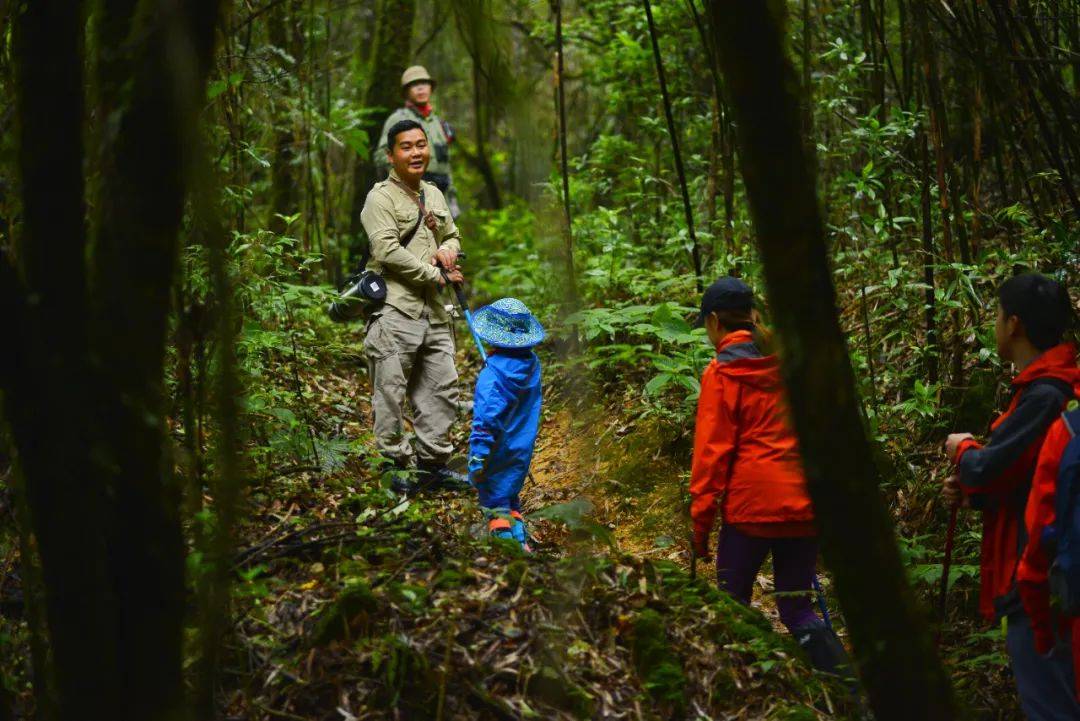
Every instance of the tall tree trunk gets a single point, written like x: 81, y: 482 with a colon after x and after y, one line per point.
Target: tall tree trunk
x: 722, y: 131
x: 932, y: 347
x: 899, y: 668
x: 86, y: 406
x: 673, y: 134
x: 133, y: 263
x: 727, y: 154
x: 282, y: 172
x: 806, y: 66
x: 907, y: 56
x: 939, y: 128
x: 564, y: 162
x: 389, y: 56
x: 481, y: 129
x: 47, y: 396
x: 712, y: 182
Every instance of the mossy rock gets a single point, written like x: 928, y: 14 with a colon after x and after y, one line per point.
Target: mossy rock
x: 515, y: 571
x: 347, y: 617
x: 793, y: 712
x: 658, y: 666
x: 407, y: 681
x: 449, y: 578
x: 551, y: 687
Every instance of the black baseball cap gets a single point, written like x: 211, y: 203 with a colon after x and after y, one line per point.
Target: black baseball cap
x: 727, y: 293
x: 1042, y: 305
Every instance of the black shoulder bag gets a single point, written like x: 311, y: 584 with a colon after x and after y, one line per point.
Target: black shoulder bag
x: 365, y: 290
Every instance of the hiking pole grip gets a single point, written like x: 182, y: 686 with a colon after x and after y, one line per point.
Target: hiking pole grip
x: 459, y: 294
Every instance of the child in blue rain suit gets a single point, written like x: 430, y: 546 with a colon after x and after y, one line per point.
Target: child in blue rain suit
x: 506, y: 414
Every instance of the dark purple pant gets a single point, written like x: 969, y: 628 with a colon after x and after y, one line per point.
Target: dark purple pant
x: 739, y: 558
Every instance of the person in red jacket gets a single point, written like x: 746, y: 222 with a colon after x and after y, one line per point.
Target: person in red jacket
x: 748, y: 470
x: 1056, y: 638
x: 995, y: 477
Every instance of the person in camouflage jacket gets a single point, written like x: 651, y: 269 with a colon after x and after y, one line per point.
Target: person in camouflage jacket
x: 417, y: 85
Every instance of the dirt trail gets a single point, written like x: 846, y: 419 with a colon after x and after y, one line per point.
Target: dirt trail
x: 574, y: 460
x: 616, y: 465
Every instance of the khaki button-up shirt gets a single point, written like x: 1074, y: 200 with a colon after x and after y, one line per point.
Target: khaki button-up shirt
x: 412, y: 282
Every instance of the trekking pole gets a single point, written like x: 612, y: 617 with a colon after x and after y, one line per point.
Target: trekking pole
x: 693, y: 561
x: 459, y: 294
x: 821, y: 603
x: 947, y: 562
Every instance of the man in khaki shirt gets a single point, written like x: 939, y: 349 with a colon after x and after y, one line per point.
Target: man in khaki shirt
x: 409, y: 344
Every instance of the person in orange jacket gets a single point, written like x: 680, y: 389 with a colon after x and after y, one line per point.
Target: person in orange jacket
x: 747, y: 469
x: 996, y: 477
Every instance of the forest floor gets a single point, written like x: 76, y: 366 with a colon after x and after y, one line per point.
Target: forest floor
x: 352, y: 603
x: 356, y: 605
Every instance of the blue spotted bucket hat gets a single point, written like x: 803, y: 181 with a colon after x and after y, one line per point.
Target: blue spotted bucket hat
x: 507, y: 323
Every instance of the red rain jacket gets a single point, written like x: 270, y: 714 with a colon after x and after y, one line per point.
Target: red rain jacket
x: 1032, y: 575
x: 996, y: 476
x: 746, y: 458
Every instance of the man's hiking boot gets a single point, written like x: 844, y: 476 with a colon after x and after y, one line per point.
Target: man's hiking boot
x: 401, y: 478
x: 433, y: 477
x: 823, y: 647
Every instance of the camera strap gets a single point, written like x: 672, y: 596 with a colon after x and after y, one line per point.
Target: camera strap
x: 407, y: 238
x: 426, y: 215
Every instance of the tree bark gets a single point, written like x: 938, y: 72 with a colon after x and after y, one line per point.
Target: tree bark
x: 899, y: 668
x: 283, y: 199
x: 86, y: 405
x: 932, y: 350
x: 560, y: 100
x: 390, y: 54
x: 46, y: 394
x: 481, y: 129
x: 133, y: 264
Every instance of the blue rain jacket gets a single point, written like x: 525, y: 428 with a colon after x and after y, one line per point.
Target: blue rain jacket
x: 506, y: 419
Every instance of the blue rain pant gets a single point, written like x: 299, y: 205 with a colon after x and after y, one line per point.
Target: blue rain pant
x: 1045, y: 683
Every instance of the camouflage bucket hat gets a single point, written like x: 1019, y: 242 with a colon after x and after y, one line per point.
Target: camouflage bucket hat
x: 507, y: 323
x: 416, y: 74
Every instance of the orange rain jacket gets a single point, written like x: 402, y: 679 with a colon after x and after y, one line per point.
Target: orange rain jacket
x: 746, y: 458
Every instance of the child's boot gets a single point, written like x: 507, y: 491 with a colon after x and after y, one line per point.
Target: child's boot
x: 499, y: 525
x: 520, y: 533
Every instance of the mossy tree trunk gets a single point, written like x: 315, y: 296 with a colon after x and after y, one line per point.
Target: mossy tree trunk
x: 84, y: 397
x: 899, y: 668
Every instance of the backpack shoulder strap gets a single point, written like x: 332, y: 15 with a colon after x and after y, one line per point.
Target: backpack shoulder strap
x: 405, y: 239
x: 1071, y: 418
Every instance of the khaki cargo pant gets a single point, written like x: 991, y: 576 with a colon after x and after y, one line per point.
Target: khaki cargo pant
x: 412, y: 359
